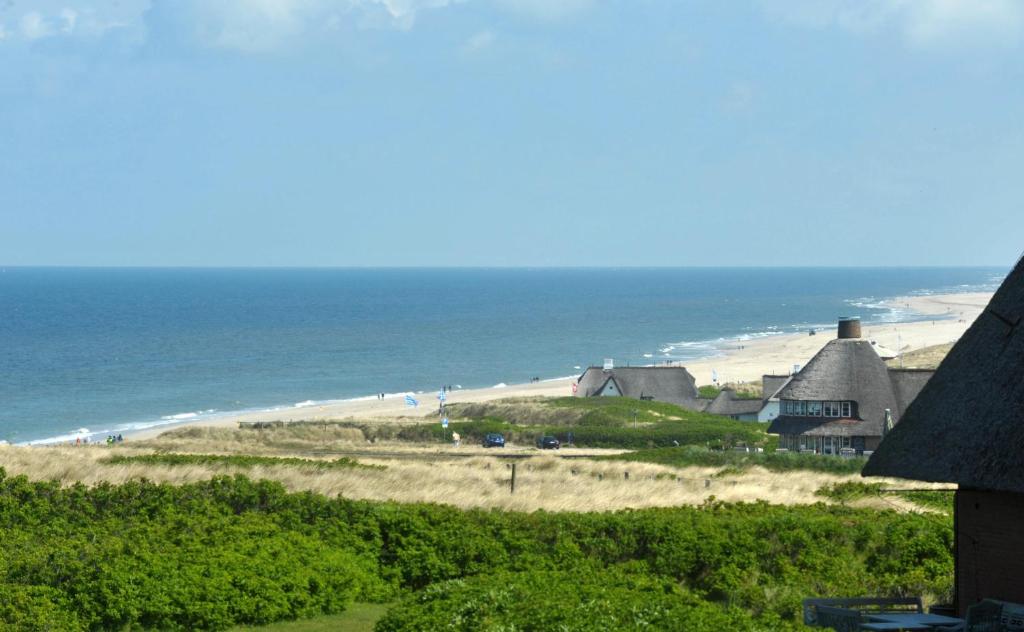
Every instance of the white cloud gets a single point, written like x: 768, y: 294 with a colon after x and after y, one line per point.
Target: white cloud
x: 68, y: 17
x: 266, y: 25
x: 72, y: 18
x: 992, y: 22
x: 546, y: 9
x: 250, y: 25
x: 921, y: 23
x: 34, y: 26
x: 479, y: 41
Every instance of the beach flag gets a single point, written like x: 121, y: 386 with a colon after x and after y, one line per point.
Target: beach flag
x: 714, y: 375
x: 411, y: 401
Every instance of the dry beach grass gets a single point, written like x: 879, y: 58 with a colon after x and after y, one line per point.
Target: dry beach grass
x: 544, y: 482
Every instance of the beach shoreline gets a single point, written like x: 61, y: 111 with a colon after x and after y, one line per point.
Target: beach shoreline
x: 737, y: 360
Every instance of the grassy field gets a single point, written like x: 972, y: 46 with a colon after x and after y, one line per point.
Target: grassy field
x: 543, y: 482
x: 686, y: 456
x: 407, y: 462
x: 359, y: 617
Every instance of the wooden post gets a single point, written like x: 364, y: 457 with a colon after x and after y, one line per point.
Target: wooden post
x: 513, y: 490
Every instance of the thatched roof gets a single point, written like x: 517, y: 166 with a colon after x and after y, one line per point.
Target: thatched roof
x: 818, y: 427
x: 846, y: 369
x: 727, y: 403
x: 770, y: 385
x: 967, y: 425
x: 908, y: 384
x: 665, y: 384
x: 849, y: 369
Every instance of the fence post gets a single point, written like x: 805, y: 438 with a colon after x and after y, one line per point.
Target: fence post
x: 513, y: 490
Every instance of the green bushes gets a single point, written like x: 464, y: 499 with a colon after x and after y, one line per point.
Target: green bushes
x: 559, y: 600
x: 776, y: 461
x: 719, y: 431
x: 227, y: 551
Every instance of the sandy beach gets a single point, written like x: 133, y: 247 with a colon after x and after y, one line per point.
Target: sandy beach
x: 739, y: 361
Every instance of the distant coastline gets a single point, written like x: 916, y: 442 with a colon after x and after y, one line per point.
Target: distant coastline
x: 938, y: 319
x: 135, y: 352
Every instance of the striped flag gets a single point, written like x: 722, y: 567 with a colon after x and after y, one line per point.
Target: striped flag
x: 411, y: 401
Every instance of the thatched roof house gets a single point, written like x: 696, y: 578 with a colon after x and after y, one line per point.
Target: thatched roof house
x: 967, y: 427
x: 729, y: 404
x: 844, y: 399
x: 673, y: 384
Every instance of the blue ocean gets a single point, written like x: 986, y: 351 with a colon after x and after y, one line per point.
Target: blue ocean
x: 110, y: 350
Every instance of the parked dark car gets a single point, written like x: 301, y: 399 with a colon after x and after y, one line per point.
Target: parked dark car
x: 548, y: 443
x: 494, y: 440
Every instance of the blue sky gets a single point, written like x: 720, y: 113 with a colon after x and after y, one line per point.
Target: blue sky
x: 511, y: 132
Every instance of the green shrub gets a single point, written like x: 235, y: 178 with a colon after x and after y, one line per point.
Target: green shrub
x: 558, y: 600
x: 230, y: 550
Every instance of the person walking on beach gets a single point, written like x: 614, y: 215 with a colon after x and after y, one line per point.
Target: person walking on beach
x: 456, y: 439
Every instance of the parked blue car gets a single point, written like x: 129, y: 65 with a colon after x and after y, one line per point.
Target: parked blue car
x: 494, y: 440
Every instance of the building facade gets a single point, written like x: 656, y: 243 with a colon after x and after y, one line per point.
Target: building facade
x: 845, y: 399
x: 967, y: 427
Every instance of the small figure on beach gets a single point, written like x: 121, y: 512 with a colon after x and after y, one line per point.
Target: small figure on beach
x: 78, y: 440
x: 456, y: 439
x: 120, y: 439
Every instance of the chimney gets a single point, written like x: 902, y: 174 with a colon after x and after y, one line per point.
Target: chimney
x: 849, y: 327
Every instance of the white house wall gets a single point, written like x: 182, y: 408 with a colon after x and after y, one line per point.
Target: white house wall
x: 769, y: 411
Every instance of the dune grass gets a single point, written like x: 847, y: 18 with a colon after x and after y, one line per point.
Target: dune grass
x: 685, y: 456
x: 545, y: 482
x: 924, y: 358
x: 236, y: 460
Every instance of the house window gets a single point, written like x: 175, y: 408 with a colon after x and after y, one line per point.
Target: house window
x: 831, y: 409
x: 846, y: 412
x: 814, y: 409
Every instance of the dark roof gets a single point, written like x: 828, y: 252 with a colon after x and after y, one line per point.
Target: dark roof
x: 818, y: 427
x: 967, y: 425
x: 770, y: 385
x: 672, y: 384
x: 846, y: 369
x: 726, y: 403
x: 908, y: 384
